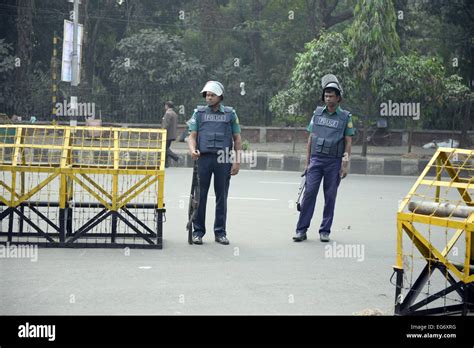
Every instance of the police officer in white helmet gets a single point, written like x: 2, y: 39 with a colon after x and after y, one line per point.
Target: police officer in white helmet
x: 214, y: 133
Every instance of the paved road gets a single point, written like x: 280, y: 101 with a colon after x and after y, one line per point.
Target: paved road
x: 261, y: 272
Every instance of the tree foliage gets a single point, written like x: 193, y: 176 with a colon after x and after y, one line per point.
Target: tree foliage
x: 6, y: 69
x: 267, y: 46
x: 329, y: 54
x: 373, y: 40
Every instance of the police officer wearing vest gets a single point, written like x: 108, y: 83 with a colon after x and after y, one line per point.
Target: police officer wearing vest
x: 215, y: 131
x: 328, y: 151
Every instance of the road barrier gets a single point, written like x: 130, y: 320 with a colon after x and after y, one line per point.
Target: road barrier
x: 435, y: 246
x: 64, y: 186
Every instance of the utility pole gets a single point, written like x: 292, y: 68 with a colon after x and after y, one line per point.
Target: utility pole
x: 75, y: 63
x: 54, y: 76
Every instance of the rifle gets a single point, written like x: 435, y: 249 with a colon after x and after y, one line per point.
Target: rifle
x: 301, y: 190
x: 193, y: 202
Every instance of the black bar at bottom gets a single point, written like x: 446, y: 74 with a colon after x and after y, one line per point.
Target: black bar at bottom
x: 259, y: 330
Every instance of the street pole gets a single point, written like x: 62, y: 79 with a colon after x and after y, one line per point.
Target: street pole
x: 54, y: 77
x: 75, y: 62
x: 75, y: 65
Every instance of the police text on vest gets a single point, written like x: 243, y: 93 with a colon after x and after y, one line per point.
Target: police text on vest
x: 37, y: 331
x: 323, y: 121
x: 214, y: 118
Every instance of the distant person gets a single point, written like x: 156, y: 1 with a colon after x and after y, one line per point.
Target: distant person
x: 170, y: 123
x: 328, y: 150
x: 215, y: 132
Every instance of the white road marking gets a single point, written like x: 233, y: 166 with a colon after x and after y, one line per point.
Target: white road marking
x: 254, y: 199
x: 279, y: 182
x: 144, y: 267
x: 244, y: 198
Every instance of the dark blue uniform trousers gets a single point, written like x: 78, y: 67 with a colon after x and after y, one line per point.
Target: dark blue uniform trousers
x: 208, y: 165
x: 324, y: 169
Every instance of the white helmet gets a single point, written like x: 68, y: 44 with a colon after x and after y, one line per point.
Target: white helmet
x: 215, y: 87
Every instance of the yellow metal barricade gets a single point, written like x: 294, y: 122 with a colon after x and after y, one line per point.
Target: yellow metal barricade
x: 82, y: 186
x: 435, y: 222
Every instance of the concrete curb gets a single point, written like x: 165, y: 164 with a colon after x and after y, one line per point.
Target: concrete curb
x: 369, y: 165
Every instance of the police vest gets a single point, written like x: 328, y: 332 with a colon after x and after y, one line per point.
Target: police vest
x: 215, y: 130
x: 328, y: 133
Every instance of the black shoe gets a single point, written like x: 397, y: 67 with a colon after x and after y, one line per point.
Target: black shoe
x: 300, y: 237
x: 222, y: 240
x: 197, y: 240
x: 324, y: 237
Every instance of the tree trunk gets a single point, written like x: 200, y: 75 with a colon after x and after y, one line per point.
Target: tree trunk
x: 128, y: 13
x: 255, y: 42
x: 314, y: 26
x: 410, y: 134
x: 465, y: 143
x: 366, y: 121
x: 24, y: 53
x: 327, y: 11
x: 208, y: 11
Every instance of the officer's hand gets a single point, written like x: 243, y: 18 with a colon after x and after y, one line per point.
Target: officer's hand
x: 195, y: 154
x: 344, y: 169
x: 235, y: 169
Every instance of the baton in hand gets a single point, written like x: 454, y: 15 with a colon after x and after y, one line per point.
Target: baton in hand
x: 301, y: 191
x: 193, y: 202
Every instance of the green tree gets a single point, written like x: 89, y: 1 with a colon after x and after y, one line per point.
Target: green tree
x: 150, y: 64
x: 458, y: 97
x: 24, y: 50
x: 329, y: 54
x: 414, y: 79
x: 6, y: 68
x: 374, y: 43
x: 450, y: 31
